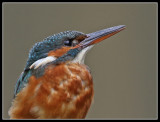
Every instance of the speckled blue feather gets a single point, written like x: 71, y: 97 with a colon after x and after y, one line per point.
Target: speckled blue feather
x: 40, y: 50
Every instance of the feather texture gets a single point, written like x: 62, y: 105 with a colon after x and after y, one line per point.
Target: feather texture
x: 64, y: 91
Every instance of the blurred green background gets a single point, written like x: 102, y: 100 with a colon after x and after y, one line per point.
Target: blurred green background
x: 124, y: 67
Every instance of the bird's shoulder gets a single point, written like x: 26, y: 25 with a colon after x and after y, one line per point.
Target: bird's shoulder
x: 63, y: 88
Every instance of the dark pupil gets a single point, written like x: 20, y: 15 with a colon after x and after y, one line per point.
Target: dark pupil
x: 68, y: 42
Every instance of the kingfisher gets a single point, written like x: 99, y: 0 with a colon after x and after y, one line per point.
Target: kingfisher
x: 55, y: 83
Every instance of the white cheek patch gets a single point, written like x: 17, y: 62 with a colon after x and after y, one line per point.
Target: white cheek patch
x: 42, y: 62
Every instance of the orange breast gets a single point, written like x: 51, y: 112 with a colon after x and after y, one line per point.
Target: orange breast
x: 65, y: 91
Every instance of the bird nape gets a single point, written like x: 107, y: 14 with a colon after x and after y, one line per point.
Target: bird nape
x: 55, y: 82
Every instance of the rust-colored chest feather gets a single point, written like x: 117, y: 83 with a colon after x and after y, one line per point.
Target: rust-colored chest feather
x: 64, y: 91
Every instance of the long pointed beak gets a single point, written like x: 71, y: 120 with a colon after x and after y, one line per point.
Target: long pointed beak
x: 99, y: 36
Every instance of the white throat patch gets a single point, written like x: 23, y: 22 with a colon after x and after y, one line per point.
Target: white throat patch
x: 81, y: 55
x: 42, y: 62
x: 78, y: 59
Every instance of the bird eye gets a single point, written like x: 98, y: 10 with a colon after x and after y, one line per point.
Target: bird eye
x: 67, y: 43
x: 70, y: 42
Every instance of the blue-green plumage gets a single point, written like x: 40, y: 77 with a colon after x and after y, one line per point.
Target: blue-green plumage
x: 54, y: 65
x: 22, y: 80
x: 40, y: 50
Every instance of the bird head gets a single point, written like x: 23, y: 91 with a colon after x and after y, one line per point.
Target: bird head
x: 68, y: 46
